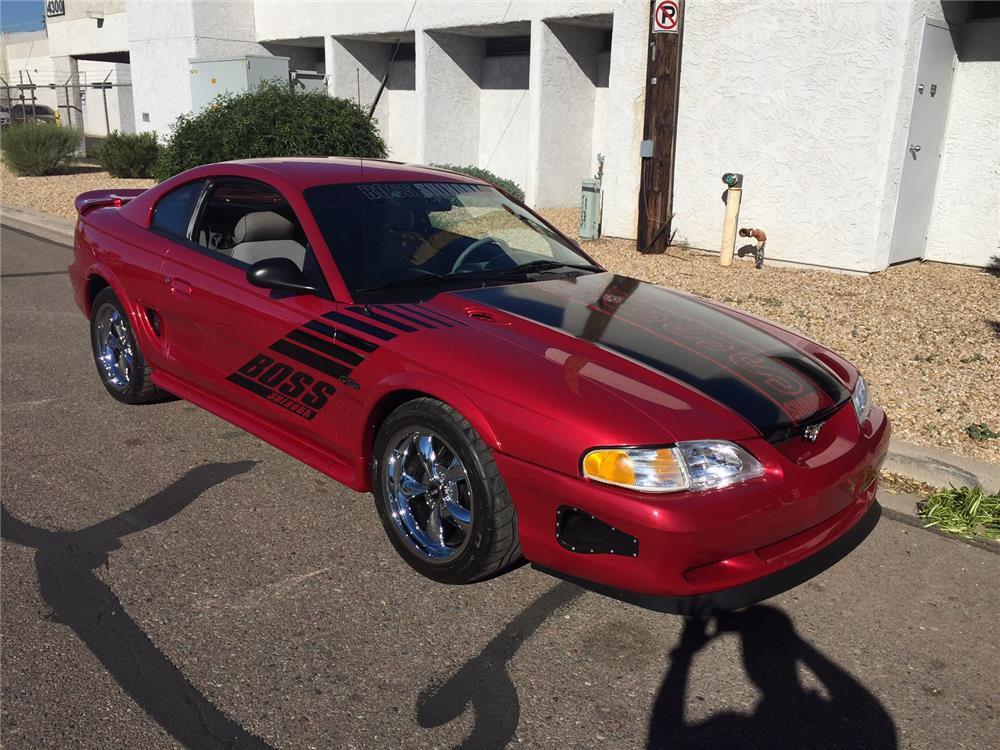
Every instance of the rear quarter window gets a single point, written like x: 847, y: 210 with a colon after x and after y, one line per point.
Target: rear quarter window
x: 172, y: 214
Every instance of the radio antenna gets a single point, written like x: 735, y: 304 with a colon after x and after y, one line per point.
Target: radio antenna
x: 361, y: 156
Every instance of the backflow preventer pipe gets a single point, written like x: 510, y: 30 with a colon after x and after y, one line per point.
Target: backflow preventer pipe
x: 761, y: 237
x: 734, y: 194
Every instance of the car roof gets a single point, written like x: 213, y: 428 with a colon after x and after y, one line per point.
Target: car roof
x: 304, y: 173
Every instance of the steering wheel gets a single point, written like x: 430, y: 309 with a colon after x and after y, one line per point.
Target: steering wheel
x: 464, y: 255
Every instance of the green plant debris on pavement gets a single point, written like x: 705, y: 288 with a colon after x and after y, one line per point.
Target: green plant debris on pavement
x: 966, y: 511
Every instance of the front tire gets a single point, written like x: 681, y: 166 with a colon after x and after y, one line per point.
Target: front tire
x: 120, y: 363
x: 440, y: 496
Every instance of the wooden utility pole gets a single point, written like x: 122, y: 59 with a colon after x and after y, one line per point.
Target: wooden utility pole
x: 663, y: 69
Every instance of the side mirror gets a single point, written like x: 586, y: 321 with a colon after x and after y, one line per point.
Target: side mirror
x: 278, y: 273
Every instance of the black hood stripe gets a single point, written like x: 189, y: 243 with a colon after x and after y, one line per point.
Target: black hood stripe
x: 771, y: 384
x: 808, y: 392
x: 432, y: 315
x: 677, y: 343
x: 342, y: 336
x: 349, y: 321
x: 369, y: 312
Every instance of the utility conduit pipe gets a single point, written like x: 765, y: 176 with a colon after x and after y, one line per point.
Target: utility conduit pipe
x: 734, y: 194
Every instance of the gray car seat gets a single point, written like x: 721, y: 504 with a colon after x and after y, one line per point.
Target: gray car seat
x: 266, y: 234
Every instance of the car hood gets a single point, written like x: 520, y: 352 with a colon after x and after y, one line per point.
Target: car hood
x: 725, y: 357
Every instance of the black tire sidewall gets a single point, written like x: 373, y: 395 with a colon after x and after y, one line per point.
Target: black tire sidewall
x: 471, y: 563
x: 131, y: 395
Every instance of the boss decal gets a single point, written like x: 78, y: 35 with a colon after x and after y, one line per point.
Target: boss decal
x: 280, y: 383
x: 330, y: 350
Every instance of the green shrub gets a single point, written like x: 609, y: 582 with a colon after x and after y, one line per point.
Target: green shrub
x: 501, y: 182
x: 271, y: 120
x: 129, y: 154
x: 37, y: 148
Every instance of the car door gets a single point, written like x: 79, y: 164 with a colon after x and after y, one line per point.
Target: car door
x: 242, y: 344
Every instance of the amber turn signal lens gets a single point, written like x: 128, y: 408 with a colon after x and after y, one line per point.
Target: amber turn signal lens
x: 609, y: 466
x: 646, y: 469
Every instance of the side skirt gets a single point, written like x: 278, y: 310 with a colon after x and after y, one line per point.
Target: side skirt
x: 309, y: 454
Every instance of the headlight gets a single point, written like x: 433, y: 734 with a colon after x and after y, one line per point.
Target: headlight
x: 695, y: 465
x: 862, y: 403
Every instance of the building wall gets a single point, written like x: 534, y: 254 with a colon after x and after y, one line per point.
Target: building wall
x: 812, y: 108
x: 770, y: 94
x: 398, y: 126
x: 965, y: 223
x: 120, y: 114
x: 503, y: 129
x: 28, y: 60
x: 504, y: 113
x: 164, y: 36
x: 80, y: 35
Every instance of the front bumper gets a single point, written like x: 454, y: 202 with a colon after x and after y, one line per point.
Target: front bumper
x: 746, y: 594
x: 716, y: 549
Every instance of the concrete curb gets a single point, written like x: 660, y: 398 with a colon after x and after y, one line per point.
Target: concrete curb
x: 931, y: 465
x: 48, y: 227
x: 939, y: 468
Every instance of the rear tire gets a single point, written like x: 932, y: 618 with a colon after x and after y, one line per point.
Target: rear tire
x: 440, y: 495
x: 120, y: 364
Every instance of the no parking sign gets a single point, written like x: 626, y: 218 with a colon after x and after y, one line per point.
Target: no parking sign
x: 666, y: 17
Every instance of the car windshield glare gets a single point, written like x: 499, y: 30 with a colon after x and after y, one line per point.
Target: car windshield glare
x: 391, y: 233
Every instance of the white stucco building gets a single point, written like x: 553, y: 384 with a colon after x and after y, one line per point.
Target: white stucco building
x: 817, y: 104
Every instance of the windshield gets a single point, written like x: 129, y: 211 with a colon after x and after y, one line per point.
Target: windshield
x: 393, y: 233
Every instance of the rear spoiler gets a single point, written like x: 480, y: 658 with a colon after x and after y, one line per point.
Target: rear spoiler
x: 105, y: 199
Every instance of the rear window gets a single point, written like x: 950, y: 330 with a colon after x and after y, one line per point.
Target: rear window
x: 173, y: 213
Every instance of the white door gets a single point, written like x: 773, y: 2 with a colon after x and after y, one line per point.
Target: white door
x: 922, y: 150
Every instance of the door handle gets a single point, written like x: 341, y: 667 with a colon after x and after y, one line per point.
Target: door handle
x: 179, y: 286
x: 913, y: 150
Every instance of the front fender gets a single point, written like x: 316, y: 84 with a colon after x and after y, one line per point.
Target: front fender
x: 420, y: 383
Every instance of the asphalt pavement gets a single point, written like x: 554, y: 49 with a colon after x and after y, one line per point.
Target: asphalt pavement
x: 169, y: 580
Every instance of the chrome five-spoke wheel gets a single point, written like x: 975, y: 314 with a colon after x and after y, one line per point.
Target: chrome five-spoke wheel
x: 429, y: 494
x: 440, y: 496
x: 115, y: 356
x: 119, y: 360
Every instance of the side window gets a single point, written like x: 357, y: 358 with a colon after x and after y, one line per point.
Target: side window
x: 247, y: 221
x: 172, y: 214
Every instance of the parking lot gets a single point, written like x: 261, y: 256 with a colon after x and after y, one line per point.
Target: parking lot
x: 169, y: 580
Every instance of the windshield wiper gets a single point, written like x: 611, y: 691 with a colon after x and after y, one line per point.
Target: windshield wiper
x: 547, y: 265
x: 428, y: 279
x: 522, y: 270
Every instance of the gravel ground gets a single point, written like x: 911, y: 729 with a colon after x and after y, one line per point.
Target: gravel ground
x: 925, y: 335
x: 55, y: 194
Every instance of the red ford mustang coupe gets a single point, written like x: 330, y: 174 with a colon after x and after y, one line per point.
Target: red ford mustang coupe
x: 419, y: 334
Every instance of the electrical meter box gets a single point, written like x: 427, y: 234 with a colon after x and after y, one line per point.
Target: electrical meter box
x: 211, y: 76
x: 590, y: 210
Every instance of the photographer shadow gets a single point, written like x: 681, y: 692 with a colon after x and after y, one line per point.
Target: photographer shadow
x: 788, y: 715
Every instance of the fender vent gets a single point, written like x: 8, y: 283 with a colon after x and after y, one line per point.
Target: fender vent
x: 579, y: 531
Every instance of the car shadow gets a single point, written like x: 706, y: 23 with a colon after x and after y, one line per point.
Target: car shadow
x: 788, y: 715
x: 66, y: 562
x: 484, y: 683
